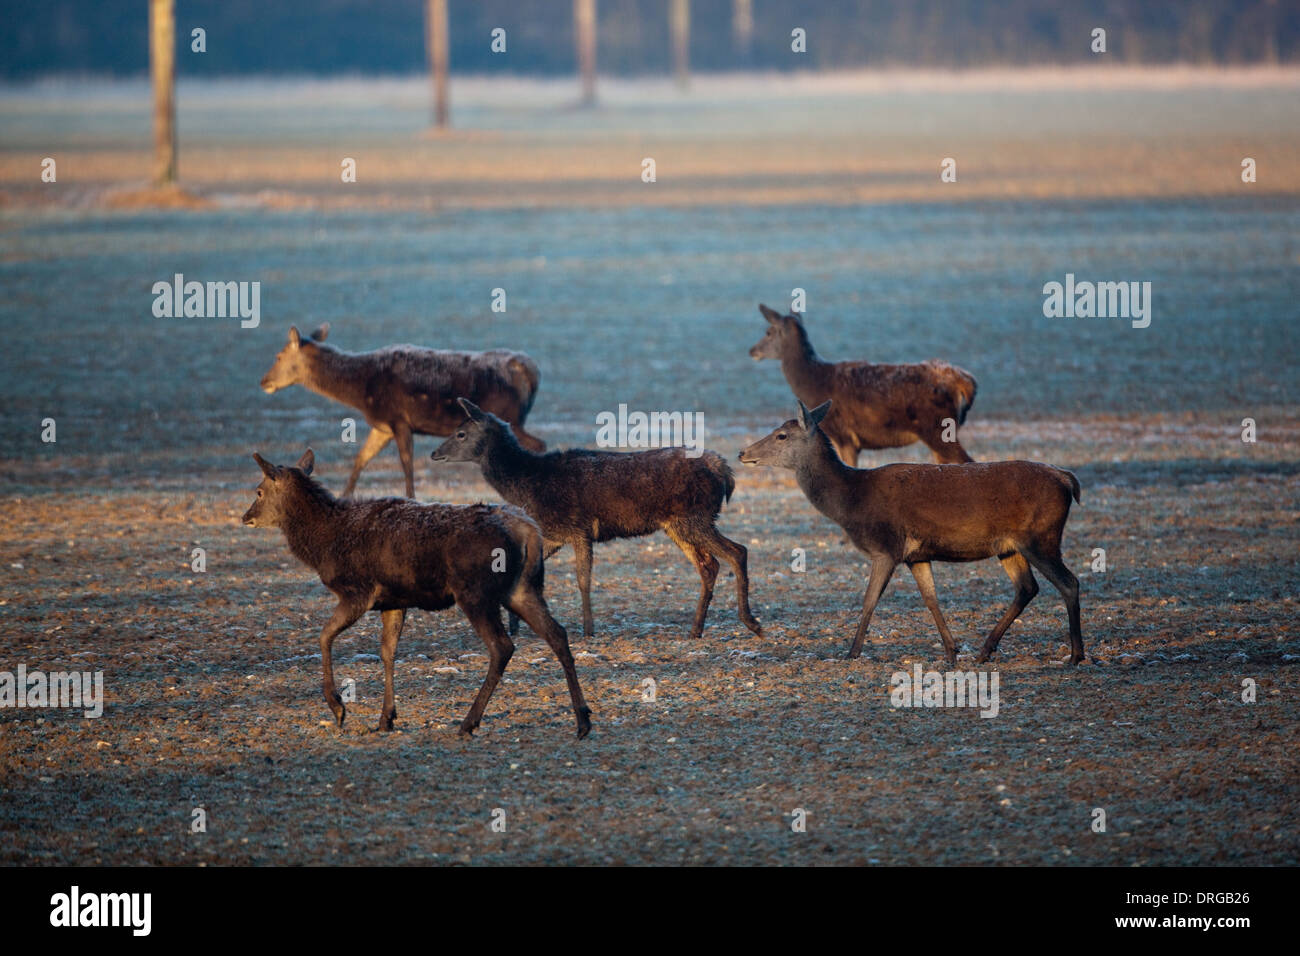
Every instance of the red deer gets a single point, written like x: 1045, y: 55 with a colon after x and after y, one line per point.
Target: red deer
x: 405, y: 390
x: 580, y: 496
x: 914, y: 514
x: 875, y: 406
x: 391, y: 554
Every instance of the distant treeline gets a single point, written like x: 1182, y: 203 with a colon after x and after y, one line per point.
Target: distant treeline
x: 42, y: 37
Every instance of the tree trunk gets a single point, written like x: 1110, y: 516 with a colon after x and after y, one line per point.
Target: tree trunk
x: 436, y: 23
x: 679, y: 22
x: 584, y: 32
x: 162, y: 71
x: 742, y: 30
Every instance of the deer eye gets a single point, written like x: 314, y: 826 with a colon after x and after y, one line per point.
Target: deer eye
x: 780, y: 436
x: 460, y: 435
x: 259, y: 492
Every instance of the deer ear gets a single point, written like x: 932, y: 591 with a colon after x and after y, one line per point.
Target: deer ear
x: 472, y: 410
x: 803, y: 417
x: 817, y: 414
x: 307, y: 462
x: 294, y: 337
x: 770, y: 314
x: 268, y: 469
x: 320, y: 333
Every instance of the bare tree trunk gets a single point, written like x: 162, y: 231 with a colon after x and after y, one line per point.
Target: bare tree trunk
x: 162, y: 71
x: 436, y: 24
x: 679, y: 23
x: 742, y: 29
x: 584, y: 32
x: 1270, y: 41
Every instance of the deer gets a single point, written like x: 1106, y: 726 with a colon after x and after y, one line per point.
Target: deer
x: 391, y: 554
x: 875, y: 406
x: 406, y: 390
x: 581, y: 496
x: 914, y: 514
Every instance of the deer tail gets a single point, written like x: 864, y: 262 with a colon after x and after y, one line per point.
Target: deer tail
x: 526, y: 377
x: 527, y: 534
x: 963, y: 393
x: 722, y: 471
x: 1073, y: 482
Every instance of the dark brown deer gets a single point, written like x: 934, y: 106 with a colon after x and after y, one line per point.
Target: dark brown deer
x: 580, y: 496
x: 391, y: 554
x: 915, y: 514
x: 874, y: 406
x: 405, y: 390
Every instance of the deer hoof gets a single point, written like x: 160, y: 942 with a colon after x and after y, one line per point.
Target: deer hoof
x: 339, y: 711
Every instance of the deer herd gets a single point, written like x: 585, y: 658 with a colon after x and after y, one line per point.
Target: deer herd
x: 392, y: 554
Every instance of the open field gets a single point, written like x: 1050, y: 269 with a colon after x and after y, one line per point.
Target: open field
x: 733, y: 140
x: 212, y: 679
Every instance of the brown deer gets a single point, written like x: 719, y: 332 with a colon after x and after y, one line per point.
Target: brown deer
x: 874, y: 406
x: 580, y: 496
x: 405, y: 390
x: 391, y: 554
x: 914, y: 514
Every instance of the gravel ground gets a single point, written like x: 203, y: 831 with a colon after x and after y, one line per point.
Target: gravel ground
x: 645, y: 295
x: 212, y: 693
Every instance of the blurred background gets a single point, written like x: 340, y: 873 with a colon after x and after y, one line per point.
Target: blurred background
x: 385, y: 37
x: 797, y: 146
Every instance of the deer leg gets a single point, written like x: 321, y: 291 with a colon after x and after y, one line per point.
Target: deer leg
x: 736, y: 555
x: 376, y: 441
x: 1063, y: 579
x: 487, y: 624
x: 707, y: 565
x: 1022, y: 577
x: 393, y: 621
x: 512, y: 619
x: 945, y: 452
x: 405, y: 451
x: 582, y: 559
x: 529, y: 604
x: 847, y: 451
x: 882, y: 566
x: 925, y: 582
x: 344, y: 616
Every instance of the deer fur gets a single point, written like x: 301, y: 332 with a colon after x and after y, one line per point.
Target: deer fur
x: 582, y: 496
x: 918, y: 513
x: 406, y: 390
x: 391, y: 554
x: 873, y: 406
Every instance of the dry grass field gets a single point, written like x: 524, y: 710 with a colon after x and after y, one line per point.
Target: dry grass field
x: 646, y: 294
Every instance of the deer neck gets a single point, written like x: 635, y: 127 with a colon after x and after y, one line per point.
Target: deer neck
x: 505, y: 461
x: 310, y: 528
x: 808, y: 375
x: 827, y: 482
x: 341, y: 376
